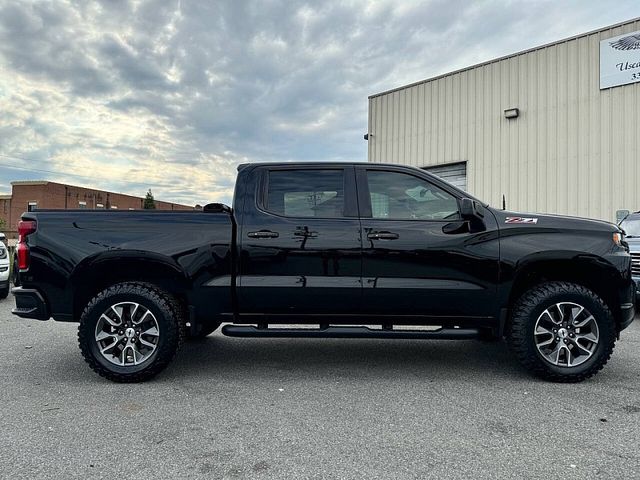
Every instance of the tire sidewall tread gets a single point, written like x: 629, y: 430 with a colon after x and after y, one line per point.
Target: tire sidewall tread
x: 525, y: 313
x: 171, y: 323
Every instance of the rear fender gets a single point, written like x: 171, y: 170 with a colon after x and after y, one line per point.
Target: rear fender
x: 97, y: 272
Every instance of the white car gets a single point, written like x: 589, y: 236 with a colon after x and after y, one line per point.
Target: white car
x: 4, y: 268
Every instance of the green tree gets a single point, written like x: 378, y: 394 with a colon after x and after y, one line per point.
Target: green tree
x: 149, y: 202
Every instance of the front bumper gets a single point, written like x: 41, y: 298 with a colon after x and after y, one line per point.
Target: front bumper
x: 627, y: 314
x: 4, y: 274
x: 30, y: 304
x: 628, y: 299
x: 636, y: 281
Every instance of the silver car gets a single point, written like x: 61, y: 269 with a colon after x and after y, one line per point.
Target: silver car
x: 631, y: 226
x: 4, y: 268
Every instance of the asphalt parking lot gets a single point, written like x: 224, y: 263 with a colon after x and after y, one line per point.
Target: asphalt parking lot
x: 278, y: 408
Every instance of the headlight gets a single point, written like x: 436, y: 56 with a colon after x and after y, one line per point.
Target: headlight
x: 617, y: 239
x: 3, y: 252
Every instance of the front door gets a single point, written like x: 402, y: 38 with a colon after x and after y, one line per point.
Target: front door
x: 419, y: 256
x: 300, y: 244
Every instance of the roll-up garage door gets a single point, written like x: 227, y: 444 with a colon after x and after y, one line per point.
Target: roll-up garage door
x: 454, y: 173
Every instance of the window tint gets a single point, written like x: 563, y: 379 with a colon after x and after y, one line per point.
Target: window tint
x: 306, y: 193
x: 402, y: 196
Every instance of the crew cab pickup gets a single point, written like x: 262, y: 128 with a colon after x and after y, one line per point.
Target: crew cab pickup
x: 329, y: 250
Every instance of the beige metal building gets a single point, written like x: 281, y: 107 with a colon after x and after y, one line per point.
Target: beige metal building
x: 554, y: 129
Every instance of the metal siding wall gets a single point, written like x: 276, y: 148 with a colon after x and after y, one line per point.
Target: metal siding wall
x: 455, y: 173
x: 573, y: 150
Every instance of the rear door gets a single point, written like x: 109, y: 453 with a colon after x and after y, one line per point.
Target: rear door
x: 300, y: 249
x: 419, y: 256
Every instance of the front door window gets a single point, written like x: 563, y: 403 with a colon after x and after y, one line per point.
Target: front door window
x: 400, y: 196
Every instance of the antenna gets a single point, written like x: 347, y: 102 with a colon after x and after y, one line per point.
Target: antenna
x: 504, y: 202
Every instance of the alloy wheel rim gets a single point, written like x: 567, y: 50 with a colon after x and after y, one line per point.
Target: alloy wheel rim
x: 566, y: 334
x: 127, y: 334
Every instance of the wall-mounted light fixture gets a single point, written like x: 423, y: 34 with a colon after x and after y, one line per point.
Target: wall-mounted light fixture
x: 511, y: 113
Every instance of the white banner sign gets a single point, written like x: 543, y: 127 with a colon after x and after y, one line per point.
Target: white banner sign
x: 620, y: 60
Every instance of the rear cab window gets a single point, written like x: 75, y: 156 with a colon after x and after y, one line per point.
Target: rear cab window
x: 306, y: 193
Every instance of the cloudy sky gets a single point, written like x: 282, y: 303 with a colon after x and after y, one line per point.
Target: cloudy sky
x: 171, y: 95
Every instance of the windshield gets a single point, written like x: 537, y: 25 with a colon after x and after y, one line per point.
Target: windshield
x: 631, y: 226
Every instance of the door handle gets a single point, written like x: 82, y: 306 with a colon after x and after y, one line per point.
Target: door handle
x: 263, y: 234
x: 383, y: 236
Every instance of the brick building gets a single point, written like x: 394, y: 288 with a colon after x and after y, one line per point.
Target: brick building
x: 32, y: 195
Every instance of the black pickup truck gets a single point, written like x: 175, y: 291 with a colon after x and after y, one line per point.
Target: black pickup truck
x: 329, y: 250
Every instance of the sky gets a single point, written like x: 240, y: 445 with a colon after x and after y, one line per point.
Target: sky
x: 172, y: 95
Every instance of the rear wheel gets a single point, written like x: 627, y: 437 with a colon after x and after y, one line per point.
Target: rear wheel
x: 562, y: 332
x: 4, y: 293
x: 130, y: 332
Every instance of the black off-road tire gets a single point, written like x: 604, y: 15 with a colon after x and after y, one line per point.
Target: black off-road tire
x: 171, y: 325
x: 4, y: 293
x: 206, y: 329
x: 520, y: 335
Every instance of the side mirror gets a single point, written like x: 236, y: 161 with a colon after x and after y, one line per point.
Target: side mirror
x: 470, y: 209
x: 621, y: 215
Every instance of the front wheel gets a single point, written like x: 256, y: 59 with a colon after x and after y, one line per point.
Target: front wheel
x: 4, y: 293
x: 562, y: 332
x: 130, y: 332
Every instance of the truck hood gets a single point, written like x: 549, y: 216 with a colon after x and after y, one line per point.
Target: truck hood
x: 509, y: 219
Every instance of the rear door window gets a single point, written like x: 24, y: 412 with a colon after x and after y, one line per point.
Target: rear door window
x: 306, y: 193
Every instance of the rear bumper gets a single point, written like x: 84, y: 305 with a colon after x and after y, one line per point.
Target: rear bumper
x: 30, y: 304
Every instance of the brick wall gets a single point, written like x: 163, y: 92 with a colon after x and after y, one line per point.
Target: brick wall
x: 5, y: 210
x: 57, y: 195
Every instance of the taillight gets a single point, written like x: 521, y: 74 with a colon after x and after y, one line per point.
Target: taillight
x: 23, y: 256
x: 25, y: 228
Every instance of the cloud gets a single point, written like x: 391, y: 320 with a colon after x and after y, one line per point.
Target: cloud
x: 173, y: 94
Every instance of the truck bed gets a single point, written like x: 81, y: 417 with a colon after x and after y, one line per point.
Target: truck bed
x: 71, y: 246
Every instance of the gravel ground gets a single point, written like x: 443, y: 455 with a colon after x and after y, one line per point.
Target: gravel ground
x: 296, y: 408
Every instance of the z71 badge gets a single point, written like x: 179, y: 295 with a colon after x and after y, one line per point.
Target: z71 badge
x: 521, y: 220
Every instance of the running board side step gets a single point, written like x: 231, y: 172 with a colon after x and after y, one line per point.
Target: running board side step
x: 349, y: 332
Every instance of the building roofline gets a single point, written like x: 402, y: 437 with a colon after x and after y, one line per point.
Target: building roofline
x: 506, y: 57
x: 30, y: 182
x: 47, y: 182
